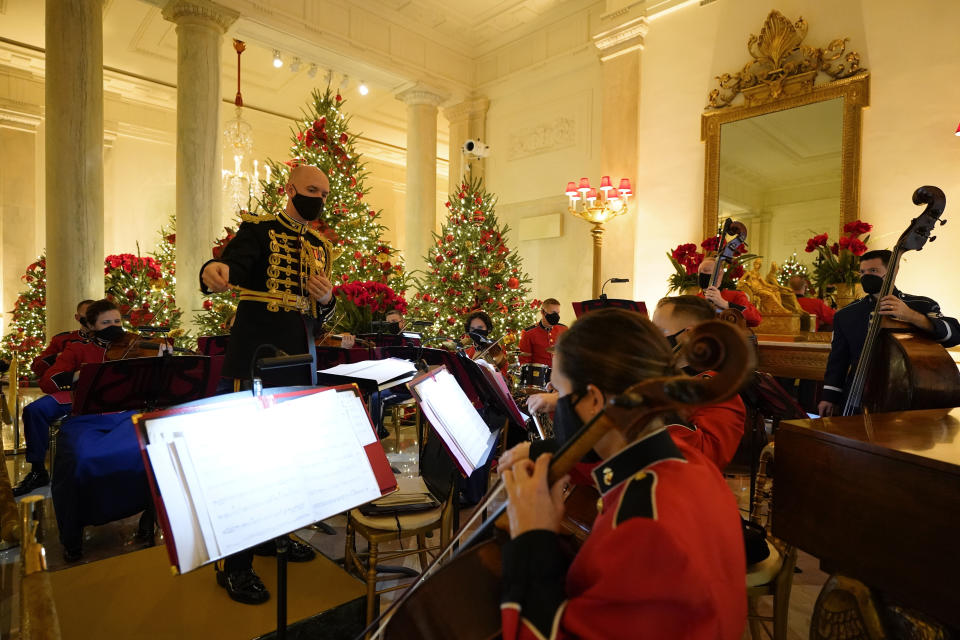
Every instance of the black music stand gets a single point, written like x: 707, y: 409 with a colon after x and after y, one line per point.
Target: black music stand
x: 586, y: 306
x: 142, y: 383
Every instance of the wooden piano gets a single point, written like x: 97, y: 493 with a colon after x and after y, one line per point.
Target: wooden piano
x: 877, y: 498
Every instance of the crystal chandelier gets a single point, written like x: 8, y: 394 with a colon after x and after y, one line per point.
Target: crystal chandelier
x: 238, y: 182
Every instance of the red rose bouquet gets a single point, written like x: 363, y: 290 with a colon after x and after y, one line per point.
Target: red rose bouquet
x: 839, y: 263
x: 360, y: 303
x: 686, y: 260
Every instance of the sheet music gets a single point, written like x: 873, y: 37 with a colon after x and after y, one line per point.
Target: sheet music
x: 493, y: 374
x: 187, y: 537
x: 450, y: 411
x: 383, y: 371
x: 358, y: 417
x: 245, y: 499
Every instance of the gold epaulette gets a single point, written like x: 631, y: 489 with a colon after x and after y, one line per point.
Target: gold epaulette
x: 333, y: 251
x: 255, y: 218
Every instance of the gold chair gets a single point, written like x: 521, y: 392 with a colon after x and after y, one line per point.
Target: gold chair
x: 378, y: 530
x: 397, y: 413
x: 774, y: 575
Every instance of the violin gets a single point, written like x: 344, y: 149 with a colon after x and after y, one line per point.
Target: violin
x: 912, y: 371
x: 133, y: 345
x: 461, y: 599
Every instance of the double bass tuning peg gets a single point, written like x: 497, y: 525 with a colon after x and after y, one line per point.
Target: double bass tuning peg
x: 943, y: 221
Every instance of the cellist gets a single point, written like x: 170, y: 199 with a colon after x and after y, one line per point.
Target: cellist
x: 665, y: 556
x: 850, y: 326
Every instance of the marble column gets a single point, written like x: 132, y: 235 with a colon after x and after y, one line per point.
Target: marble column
x: 619, y: 45
x: 421, y: 200
x: 200, y: 28
x: 468, y: 121
x: 74, y: 157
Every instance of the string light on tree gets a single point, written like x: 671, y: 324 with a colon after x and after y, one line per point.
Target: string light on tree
x: 791, y: 267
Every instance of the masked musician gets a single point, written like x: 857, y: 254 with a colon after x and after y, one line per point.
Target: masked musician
x: 281, y: 267
x: 726, y: 298
x: 665, y: 554
x: 813, y: 306
x: 850, y: 326
x: 60, y: 341
x: 539, y: 338
x: 57, y: 380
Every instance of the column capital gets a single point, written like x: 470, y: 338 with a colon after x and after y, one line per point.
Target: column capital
x: 422, y: 94
x: 199, y: 11
x: 622, y: 31
x: 470, y: 108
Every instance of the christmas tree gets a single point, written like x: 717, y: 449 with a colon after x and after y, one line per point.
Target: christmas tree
x: 141, y: 286
x: 323, y: 139
x: 472, y: 268
x: 26, y: 324
x: 218, y: 307
x: 791, y: 267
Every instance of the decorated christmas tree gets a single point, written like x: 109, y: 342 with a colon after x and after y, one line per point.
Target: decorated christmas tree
x: 471, y: 267
x: 791, y: 267
x: 142, y: 286
x: 26, y: 324
x: 323, y: 139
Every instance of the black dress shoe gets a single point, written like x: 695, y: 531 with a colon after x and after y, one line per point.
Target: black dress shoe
x: 296, y: 551
x: 243, y: 586
x: 33, y: 481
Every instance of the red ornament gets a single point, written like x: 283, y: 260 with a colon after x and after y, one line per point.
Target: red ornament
x: 513, y: 283
x: 439, y: 259
x: 343, y: 138
x: 449, y: 237
x: 338, y: 98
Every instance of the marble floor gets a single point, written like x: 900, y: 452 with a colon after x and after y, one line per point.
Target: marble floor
x: 119, y: 537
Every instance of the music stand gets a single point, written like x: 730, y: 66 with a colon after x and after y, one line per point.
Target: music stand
x: 142, y: 383
x: 586, y: 306
x: 213, y: 345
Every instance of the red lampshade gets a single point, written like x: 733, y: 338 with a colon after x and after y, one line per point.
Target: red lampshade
x: 625, y: 186
x: 591, y: 194
x: 605, y: 183
x: 571, y: 189
x: 613, y: 194
x: 584, y: 184
x: 958, y: 130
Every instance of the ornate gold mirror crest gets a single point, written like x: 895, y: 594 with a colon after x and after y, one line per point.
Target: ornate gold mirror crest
x: 781, y: 75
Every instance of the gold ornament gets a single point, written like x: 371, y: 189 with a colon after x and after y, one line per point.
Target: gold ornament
x: 468, y: 244
x: 498, y: 267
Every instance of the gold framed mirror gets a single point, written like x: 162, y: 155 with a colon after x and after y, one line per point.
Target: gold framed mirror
x: 782, y: 153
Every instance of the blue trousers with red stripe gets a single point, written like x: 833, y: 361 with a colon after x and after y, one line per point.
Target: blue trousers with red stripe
x: 37, y: 418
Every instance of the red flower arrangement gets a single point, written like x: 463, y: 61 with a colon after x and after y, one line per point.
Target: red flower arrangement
x: 686, y: 260
x: 133, y: 265
x: 839, y: 263
x: 360, y: 302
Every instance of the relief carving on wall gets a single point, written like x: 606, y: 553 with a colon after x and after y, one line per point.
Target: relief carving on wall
x: 782, y: 65
x: 548, y: 136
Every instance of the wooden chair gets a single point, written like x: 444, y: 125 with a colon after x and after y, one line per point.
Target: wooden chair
x: 377, y: 530
x: 774, y: 575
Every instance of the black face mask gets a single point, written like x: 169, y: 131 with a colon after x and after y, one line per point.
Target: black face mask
x: 672, y: 339
x: 703, y: 279
x: 111, y: 333
x: 309, y: 207
x: 482, y: 332
x: 566, y: 422
x: 552, y: 318
x: 871, y: 284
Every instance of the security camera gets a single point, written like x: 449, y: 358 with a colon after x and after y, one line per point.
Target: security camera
x: 476, y: 149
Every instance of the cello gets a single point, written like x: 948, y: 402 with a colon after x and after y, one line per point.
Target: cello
x: 911, y: 371
x: 461, y: 599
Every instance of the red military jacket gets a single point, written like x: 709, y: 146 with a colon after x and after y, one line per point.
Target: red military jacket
x: 715, y: 430
x: 738, y: 300
x: 817, y: 307
x: 536, y: 340
x: 665, y: 557
x: 57, y: 344
x: 59, y: 377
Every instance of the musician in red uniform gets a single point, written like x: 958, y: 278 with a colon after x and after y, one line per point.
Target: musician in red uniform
x: 665, y: 555
x: 60, y: 341
x: 726, y: 298
x: 813, y: 306
x: 539, y: 338
x: 56, y: 381
x: 715, y: 430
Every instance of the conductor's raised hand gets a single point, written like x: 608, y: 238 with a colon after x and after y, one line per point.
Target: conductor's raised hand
x: 532, y: 505
x: 320, y: 289
x: 216, y: 277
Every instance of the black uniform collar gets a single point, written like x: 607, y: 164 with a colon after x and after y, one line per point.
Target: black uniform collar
x: 290, y: 223
x: 636, y: 457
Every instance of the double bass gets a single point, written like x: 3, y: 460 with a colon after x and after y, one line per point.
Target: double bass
x: 727, y: 250
x: 461, y: 599
x: 899, y: 367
